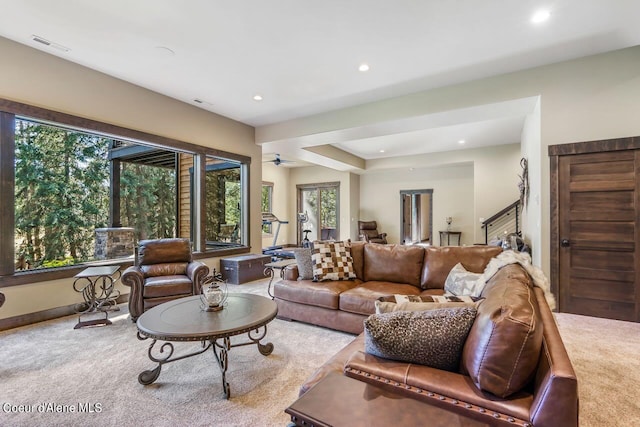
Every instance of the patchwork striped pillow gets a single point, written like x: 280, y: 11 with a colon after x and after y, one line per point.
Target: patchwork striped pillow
x: 332, y: 261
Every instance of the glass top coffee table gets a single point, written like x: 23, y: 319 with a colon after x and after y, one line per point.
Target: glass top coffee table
x: 184, y: 320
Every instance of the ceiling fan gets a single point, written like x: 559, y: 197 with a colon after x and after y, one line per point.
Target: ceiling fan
x: 278, y: 161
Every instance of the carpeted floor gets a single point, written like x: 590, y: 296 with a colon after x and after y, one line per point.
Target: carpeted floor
x: 50, y: 366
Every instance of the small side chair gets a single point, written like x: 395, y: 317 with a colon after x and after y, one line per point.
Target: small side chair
x: 164, y: 271
x: 368, y: 232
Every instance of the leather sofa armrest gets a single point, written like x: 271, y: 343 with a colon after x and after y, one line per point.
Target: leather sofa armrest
x: 197, y: 271
x: 556, y: 385
x: 134, y: 278
x: 291, y: 272
x: 451, y: 390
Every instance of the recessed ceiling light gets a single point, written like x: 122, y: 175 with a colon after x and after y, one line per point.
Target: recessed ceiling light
x: 382, y: 151
x: 363, y: 67
x: 257, y: 97
x: 540, y: 16
x: 462, y: 141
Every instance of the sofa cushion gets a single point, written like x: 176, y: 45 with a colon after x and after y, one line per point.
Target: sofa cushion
x: 361, y: 299
x: 162, y: 286
x: 357, y: 253
x: 332, y: 261
x: 438, y: 262
x: 393, y: 263
x: 503, y: 347
x: 164, y: 269
x: 321, y: 294
x: 157, y: 251
x: 434, y: 337
x: 304, y: 263
x: 421, y: 303
x: 462, y: 282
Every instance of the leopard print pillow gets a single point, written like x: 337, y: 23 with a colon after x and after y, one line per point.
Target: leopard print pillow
x: 434, y: 338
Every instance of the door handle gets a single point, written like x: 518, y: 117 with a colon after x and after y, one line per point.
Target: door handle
x: 565, y: 243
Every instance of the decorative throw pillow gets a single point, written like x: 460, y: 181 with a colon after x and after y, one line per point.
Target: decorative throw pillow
x: 332, y: 261
x: 421, y: 303
x: 433, y: 338
x: 462, y: 282
x: 305, y: 265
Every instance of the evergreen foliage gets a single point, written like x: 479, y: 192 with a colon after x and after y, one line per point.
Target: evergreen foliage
x: 62, y: 195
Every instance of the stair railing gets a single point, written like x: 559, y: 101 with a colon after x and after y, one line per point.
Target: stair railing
x: 506, y: 221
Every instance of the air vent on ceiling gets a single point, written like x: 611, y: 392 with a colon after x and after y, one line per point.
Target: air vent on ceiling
x: 49, y: 43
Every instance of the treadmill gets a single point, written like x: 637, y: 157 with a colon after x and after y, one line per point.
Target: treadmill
x: 276, y: 251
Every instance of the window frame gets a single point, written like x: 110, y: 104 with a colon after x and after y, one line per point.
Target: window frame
x: 8, y: 112
x: 318, y: 187
x: 269, y: 227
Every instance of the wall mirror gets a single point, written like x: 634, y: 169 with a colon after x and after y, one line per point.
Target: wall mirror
x: 416, y: 212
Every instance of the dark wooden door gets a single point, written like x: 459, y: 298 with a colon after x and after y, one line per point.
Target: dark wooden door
x: 598, y: 215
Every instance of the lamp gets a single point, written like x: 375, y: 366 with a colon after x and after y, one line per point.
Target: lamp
x: 214, y: 292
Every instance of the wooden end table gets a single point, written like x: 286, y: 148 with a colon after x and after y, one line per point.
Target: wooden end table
x: 339, y: 400
x: 185, y: 320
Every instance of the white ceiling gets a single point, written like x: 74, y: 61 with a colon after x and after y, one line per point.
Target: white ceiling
x: 302, y: 57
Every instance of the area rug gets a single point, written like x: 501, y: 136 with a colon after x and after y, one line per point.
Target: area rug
x: 53, y: 375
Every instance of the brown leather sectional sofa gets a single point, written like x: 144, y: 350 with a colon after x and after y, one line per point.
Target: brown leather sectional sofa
x: 514, y: 369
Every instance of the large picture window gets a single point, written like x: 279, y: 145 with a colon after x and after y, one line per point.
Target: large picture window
x: 81, y: 191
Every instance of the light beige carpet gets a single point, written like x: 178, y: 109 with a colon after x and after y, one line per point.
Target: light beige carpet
x: 51, y: 366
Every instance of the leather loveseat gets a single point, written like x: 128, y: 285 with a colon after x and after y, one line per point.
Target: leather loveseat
x: 514, y: 369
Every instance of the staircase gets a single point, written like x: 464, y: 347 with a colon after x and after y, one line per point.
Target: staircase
x: 506, y: 221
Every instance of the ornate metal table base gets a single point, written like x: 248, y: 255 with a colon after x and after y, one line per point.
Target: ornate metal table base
x: 96, y: 284
x: 220, y: 348
x: 270, y: 273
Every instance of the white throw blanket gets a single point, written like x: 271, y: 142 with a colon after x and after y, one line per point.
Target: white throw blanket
x: 522, y: 258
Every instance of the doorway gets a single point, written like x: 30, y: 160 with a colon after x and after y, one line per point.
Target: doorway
x: 320, y: 205
x: 595, y: 218
x: 416, y: 211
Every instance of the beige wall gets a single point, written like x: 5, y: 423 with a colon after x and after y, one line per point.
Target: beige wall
x: 591, y: 98
x: 494, y: 179
x: 452, y: 193
x: 467, y: 185
x: 319, y: 174
x: 33, y: 77
x: 532, y: 213
x: 283, y: 204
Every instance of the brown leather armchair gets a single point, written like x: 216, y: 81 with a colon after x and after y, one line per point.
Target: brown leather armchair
x: 368, y: 232
x: 164, y: 271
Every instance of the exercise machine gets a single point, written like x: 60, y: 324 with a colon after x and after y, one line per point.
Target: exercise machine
x: 303, y: 218
x: 275, y: 250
